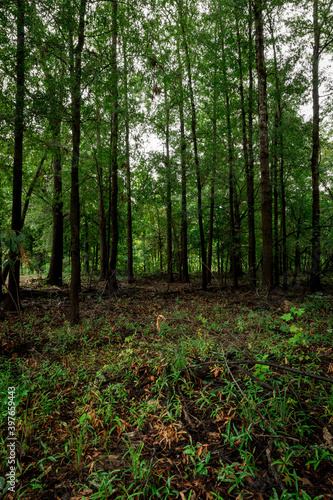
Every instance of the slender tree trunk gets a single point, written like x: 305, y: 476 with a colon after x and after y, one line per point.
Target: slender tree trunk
x: 86, y: 246
x: 234, y: 249
x: 315, y: 268
x: 168, y: 192
x: 184, y: 263
x: 212, y: 185
x: 13, y: 300
x: 75, y: 198
x: 297, y: 252
x: 266, y: 188
x: 238, y: 262
x: 112, y: 282
x: 103, y: 253
x: 250, y: 173
x: 283, y: 216
x: 196, y: 156
x: 246, y: 146
x: 130, y: 272
x: 177, y: 252
x: 280, y: 153
x: 275, y: 200
x: 55, y: 271
x: 1, y: 279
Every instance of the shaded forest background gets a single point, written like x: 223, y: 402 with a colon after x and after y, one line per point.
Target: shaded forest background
x: 177, y: 137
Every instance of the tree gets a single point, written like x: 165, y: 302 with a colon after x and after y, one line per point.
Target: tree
x: 232, y: 185
x: 247, y: 139
x: 130, y: 272
x: 168, y: 188
x: 112, y: 278
x: 266, y: 188
x: 14, y: 274
x: 183, y: 166
x: 315, y: 268
x: 182, y: 22
x: 76, y: 73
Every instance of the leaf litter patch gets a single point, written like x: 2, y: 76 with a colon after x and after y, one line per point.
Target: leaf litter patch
x: 125, y: 406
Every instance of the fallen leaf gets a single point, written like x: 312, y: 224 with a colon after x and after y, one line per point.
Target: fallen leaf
x: 328, y: 438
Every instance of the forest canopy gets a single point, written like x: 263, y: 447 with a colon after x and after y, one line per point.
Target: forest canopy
x: 177, y: 137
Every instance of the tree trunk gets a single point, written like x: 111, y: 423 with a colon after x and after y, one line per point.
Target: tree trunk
x: 1, y: 276
x: 212, y: 186
x: 196, y: 156
x: 112, y: 281
x: 280, y: 154
x: 130, y: 272
x: 103, y: 253
x: 247, y: 149
x: 86, y: 246
x: 238, y: 261
x: 234, y: 249
x: 275, y: 200
x: 75, y: 199
x: 297, y: 252
x: 266, y: 188
x: 13, y: 300
x: 250, y: 173
x: 315, y: 268
x: 168, y: 192
x: 55, y: 271
x: 184, y: 263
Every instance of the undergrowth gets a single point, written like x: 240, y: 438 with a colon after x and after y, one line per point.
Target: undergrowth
x: 202, y: 406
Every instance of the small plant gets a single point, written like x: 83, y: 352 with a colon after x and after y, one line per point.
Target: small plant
x: 298, y: 337
x: 104, y: 482
x: 293, y: 313
x: 234, y: 473
x: 79, y: 441
x: 199, y: 457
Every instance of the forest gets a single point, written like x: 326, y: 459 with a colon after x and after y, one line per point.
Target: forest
x: 166, y: 249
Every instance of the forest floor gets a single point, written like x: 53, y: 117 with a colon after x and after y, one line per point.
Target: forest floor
x: 227, y: 395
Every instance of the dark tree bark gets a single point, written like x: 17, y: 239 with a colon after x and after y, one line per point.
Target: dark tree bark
x: 250, y: 173
x: 315, y: 283
x: 184, y: 264
x: 13, y: 300
x: 55, y: 271
x: 1, y: 279
x: 130, y: 272
x: 238, y: 260
x: 76, y: 69
x: 297, y: 252
x: 247, y: 148
x: 196, y: 156
x: 275, y: 200
x: 212, y: 186
x: 168, y: 192
x: 86, y: 246
x: 266, y: 188
x: 280, y: 155
x: 103, y: 253
x: 112, y: 280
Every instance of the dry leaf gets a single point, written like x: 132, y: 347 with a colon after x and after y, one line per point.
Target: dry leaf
x: 160, y: 318
x: 328, y: 438
x: 306, y: 482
